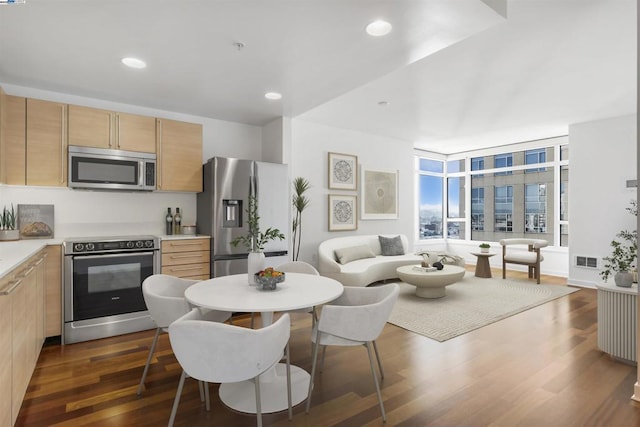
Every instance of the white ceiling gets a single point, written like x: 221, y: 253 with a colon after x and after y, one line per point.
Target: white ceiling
x: 450, y: 69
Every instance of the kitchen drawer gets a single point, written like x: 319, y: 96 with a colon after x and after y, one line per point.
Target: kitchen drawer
x: 185, y: 245
x: 175, y: 258
x: 187, y: 270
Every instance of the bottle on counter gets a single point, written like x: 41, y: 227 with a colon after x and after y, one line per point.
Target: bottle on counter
x: 169, y: 222
x: 177, y: 219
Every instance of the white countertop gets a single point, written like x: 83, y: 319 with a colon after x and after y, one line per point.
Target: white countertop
x: 14, y: 253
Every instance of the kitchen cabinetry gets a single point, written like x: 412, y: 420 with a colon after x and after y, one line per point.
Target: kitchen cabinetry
x: 6, y: 371
x: 179, y: 153
x: 46, y: 143
x: 53, y: 291
x: 21, y: 338
x: 92, y: 127
x: 187, y: 258
x: 12, y: 126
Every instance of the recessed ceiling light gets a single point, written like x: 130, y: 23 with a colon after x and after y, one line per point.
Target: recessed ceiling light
x: 274, y: 96
x: 378, y: 28
x: 134, y: 62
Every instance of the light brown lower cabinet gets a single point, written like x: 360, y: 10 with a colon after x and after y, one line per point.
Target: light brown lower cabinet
x: 53, y: 291
x: 22, y: 311
x: 186, y: 258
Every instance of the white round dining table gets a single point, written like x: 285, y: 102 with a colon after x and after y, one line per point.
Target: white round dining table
x: 232, y: 293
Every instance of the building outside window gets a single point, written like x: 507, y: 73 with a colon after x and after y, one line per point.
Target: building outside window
x: 503, y: 161
x: 533, y: 157
x: 503, y: 202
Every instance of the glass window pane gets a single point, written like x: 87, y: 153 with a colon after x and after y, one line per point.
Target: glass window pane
x: 564, y: 235
x: 564, y: 193
x: 430, y: 207
x: 455, y: 230
x: 503, y: 161
x: 455, y: 166
x: 564, y: 152
x: 477, y: 163
x: 429, y: 165
x: 477, y: 209
x: 535, y: 208
x: 455, y: 197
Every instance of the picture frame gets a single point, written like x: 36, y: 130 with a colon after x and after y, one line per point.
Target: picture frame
x: 343, y: 171
x: 36, y: 221
x: 379, y: 194
x: 343, y: 212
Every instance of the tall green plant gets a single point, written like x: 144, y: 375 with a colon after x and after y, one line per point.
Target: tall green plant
x: 300, y: 202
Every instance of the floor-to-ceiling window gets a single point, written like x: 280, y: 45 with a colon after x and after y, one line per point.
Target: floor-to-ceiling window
x: 521, y: 191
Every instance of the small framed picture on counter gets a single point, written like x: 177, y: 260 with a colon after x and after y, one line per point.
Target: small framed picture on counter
x: 35, y: 221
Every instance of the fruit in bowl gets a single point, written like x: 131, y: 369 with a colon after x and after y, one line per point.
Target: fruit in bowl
x: 268, y: 278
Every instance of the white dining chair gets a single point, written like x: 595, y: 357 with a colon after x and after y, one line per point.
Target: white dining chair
x: 221, y: 353
x: 164, y: 298
x: 357, y: 317
x: 304, y: 268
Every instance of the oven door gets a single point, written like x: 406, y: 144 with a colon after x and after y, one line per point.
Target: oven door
x: 107, y: 285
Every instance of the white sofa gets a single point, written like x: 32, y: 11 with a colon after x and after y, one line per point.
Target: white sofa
x: 362, y: 272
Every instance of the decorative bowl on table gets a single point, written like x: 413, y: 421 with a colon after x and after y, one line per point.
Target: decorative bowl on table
x: 268, y: 278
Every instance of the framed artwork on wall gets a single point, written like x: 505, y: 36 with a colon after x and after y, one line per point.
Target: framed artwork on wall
x: 342, y: 212
x: 343, y: 171
x: 379, y: 195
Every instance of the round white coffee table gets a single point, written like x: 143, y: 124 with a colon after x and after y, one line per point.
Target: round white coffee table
x: 431, y: 284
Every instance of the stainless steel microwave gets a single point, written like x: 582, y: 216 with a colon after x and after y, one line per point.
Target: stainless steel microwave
x: 98, y: 168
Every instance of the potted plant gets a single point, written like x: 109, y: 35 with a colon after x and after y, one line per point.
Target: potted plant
x: 484, y: 247
x: 255, y: 239
x: 8, y: 225
x: 623, y: 256
x: 300, y: 202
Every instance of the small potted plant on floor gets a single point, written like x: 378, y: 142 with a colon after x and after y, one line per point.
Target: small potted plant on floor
x: 8, y: 225
x: 484, y: 247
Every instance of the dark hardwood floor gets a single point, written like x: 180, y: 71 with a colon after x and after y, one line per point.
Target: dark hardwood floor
x: 541, y: 367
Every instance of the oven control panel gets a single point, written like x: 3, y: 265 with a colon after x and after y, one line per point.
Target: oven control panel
x: 109, y: 245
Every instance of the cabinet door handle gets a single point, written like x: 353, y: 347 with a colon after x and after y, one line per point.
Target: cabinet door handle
x: 117, y: 130
x: 62, y: 153
x: 185, y: 256
x: 186, y: 268
x: 12, y: 287
x: 186, y: 244
x: 159, y: 155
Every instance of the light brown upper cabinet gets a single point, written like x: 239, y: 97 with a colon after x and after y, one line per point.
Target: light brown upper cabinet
x: 12, y: 126
x: 46, y: 143
x: 92, y: 127
x: 179, y: 156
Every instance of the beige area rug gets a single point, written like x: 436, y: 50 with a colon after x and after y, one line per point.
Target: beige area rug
x: 470, y: 304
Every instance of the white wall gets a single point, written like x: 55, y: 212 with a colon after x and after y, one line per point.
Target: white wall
x: 602, y: 158
x: 85, y: 213
x: 311, y: 144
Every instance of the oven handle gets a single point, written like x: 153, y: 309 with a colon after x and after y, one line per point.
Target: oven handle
x: 118, y: 255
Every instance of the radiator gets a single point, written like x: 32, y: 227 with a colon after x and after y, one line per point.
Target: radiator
x: 617, y: 322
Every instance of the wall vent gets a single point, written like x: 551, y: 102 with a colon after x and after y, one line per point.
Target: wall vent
x: 585, y: 261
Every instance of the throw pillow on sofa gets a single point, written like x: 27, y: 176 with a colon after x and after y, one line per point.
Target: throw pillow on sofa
x: 391, y: 246
x: 352, y: 253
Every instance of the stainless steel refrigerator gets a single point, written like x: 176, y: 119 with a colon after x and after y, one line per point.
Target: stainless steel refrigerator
x: 221, y: 210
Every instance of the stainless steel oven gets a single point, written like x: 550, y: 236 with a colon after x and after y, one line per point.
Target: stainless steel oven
x: 103, y: 286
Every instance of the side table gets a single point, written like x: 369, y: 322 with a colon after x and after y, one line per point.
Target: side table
x: 482, y: 265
